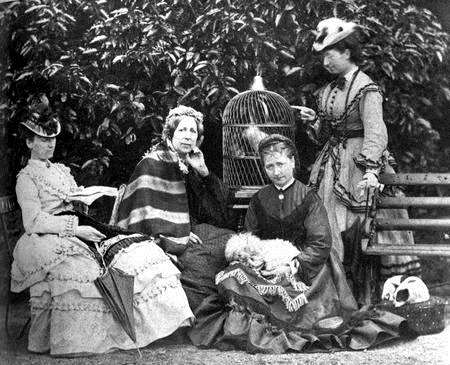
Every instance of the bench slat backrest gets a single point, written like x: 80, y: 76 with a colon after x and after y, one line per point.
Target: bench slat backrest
x: 372, y: 247
x: 406, y: 202
x: 416, y: 179
x: 402, y: 224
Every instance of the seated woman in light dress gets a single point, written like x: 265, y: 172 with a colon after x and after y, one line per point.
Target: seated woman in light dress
x: 68, y: 314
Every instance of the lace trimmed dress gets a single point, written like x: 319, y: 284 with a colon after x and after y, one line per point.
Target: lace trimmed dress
x: 68, y: 314
x: 351, y: 127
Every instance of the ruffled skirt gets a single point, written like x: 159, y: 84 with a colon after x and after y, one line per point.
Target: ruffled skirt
x: 240, y: 317
x: 336, y: 176
x: 68, y: 313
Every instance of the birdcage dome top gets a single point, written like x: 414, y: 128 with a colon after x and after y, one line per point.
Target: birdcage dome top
x: 260, y: 107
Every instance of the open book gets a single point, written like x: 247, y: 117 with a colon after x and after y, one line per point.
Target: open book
x: 92, y: 193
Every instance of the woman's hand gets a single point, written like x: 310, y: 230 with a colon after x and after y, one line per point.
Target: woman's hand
x: 197, y: 161
x: 193, y: 238
x: 284, y: 270
x: 369, y: 182
x: 89, y: 233
x: 307, y: 115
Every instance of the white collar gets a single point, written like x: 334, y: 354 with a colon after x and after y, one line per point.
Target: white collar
x: 285, y: 186
x: 350, y: 73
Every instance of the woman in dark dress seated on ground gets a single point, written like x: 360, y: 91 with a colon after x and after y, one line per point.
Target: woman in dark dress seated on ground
x: 252, y: 312
x: 172, y: 195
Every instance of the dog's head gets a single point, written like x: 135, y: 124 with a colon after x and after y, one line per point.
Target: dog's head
x: 241, y: 247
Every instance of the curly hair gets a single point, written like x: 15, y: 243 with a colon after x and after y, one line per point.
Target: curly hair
x: 174, y: 118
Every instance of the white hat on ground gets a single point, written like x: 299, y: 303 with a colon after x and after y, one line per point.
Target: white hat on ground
x: 401, y: 289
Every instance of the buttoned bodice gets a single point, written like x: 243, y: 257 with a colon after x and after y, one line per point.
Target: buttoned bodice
x: 42, y: 190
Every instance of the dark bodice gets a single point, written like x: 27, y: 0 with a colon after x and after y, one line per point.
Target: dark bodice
x: 299, y: 217
x: 273, y: 224
x: 208, y: 200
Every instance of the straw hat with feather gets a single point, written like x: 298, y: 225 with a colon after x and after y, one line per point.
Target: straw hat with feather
x: 40, y: 120
x: 332, y: 30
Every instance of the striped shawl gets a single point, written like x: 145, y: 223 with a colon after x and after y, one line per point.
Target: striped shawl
x: 155, y: 201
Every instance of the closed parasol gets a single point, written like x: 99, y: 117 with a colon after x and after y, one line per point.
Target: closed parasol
x: 117, y: 288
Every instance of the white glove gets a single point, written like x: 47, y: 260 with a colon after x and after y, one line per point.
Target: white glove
x: 307, y: 115
x: 369, y: 183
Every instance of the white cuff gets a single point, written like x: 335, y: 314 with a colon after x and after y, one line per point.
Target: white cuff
x: 70, y: 226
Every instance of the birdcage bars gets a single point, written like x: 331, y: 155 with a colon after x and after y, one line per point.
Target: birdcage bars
x: 265, y: 110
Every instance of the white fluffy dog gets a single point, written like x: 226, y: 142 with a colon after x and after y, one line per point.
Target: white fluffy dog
x: 259, y: 254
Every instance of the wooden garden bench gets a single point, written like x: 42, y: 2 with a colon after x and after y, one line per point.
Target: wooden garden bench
x: 371, y: 246
x: 241, y: 200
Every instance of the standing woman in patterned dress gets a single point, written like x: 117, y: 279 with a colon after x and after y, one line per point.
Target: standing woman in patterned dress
x: 349, y: 121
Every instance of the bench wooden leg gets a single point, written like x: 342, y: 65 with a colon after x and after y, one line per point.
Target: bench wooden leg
x: 368, y: 284
x: 241, y: 220
x: 372, y: 278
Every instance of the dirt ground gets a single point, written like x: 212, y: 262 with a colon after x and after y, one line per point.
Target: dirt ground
x: 431, y: 349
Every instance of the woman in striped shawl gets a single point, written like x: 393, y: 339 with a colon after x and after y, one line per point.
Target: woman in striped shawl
x: 172, y: 195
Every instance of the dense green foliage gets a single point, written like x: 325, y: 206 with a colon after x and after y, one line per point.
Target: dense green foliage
x: 112, y: 69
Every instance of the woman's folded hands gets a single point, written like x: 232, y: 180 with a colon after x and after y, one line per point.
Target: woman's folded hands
x: 89, y: 233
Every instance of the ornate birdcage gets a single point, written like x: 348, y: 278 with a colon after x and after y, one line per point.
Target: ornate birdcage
x: 247, y: 118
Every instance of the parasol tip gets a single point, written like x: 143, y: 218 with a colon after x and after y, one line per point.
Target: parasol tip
x: 258, y: 84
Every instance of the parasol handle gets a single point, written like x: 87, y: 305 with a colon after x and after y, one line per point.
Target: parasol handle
x: 138, y: 350
x: 366, y: 215
x: 104, y: 266
x: 374, y: 197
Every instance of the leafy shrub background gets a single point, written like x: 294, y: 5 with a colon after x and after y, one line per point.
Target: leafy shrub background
x: 111, y: 70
